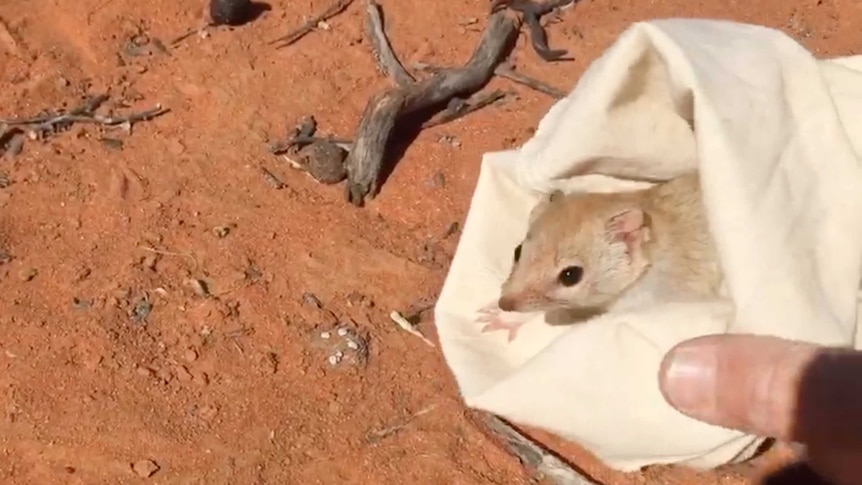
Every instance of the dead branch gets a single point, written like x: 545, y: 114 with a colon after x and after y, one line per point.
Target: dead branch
x: 301, y: 134
x: 343, y: 143
x: 365, y: 162
x: 506, y: 71
x: 464, y: 107
x: 455, y: 111
x: 377, y: 435
x: 82, y: 114
x: 532, y: 13
x: 192, y: 31
x: 533, y: 455
x: 383, y: 53
x: 311, y: 23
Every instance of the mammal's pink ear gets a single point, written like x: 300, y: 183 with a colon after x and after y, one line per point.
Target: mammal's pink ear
x: 630, y: 227
x: 626, y: 222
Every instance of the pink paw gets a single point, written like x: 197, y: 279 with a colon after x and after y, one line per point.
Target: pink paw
x: 492, y: 316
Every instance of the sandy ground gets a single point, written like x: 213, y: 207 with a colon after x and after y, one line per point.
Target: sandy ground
x: 109, y: 357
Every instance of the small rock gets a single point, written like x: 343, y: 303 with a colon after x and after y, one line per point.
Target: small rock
x: 358, y: 299
x: 141, y: 310
x: 150, y: 261
x: 228, y: 12
x: 112, y: 143
x: 207, y: 413
x: 82, y: 273
x: 325, y: 335
x: 309, y: 299
x: 438, y: 181
x: 27, y: 274
x: 221, y: 231
x: 452, y: 230
x: 145, y: 372
x: 269, y: 362
x: 145, y: 468
x: 81, y: 304
x: 183, y: 374
x: 324, y: 161
x: 199, y: 287
x: 201, y: 378
x: 14, y: 146
x: 342, y: 332
x: 190, y: 355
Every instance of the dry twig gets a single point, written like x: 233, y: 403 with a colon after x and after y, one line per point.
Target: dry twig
x: 376, y: 436
x: 311, y: 23
x: 532, y: 13
x: 82, y: 114
x: 386, y: 58
x: 534, y: 455
x: 409, y: 327
x: 461, y: 108
x: 506, y: 71
x: 188, y: 255
x: 365, y: 162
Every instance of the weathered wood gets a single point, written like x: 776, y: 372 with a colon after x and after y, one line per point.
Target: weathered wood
x: 365, y: 162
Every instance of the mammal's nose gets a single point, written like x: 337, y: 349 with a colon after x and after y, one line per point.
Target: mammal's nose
x: 506, y: 304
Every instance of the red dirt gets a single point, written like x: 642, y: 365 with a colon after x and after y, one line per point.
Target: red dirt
x: 236, y: 389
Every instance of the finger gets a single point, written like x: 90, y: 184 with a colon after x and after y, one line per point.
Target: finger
x: 767, y: 386
x: 839, y: 466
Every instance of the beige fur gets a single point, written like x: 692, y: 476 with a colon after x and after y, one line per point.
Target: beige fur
x: 634, y: 248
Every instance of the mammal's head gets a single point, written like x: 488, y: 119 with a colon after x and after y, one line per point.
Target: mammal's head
x: 579, y: 252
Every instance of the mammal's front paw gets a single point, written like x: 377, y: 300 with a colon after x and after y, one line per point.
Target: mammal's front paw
x: 492, y: 317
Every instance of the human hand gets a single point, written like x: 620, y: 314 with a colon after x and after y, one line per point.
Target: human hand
x: 767, y: 386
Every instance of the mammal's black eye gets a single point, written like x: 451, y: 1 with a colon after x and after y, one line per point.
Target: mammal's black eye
x: 571, y: 276
x: 517, y: 252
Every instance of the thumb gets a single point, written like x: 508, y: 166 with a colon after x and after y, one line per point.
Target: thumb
x: 767, y: 386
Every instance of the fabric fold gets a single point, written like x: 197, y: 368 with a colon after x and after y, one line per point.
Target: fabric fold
x: 775, y: 135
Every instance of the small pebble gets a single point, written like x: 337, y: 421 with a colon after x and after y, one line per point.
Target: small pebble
x: 229, y: 12
x: 325, y: 335
x: 145, y: 372
x: 183, y: 374
x: 145, y: 468
x: 311, y: 300
x: 221, y: 231
x: 27, y: 274
x: 333, y: 360
x: 207, y: 413
x: 199, y: 287
x: 190, y: 355
x: 438, y: 180
x: 342, y: 332
x: 150, y: 261
x: 339, y: 355
x: 352, y: 345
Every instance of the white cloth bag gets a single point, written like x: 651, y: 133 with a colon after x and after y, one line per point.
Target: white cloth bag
x: 775, y: 134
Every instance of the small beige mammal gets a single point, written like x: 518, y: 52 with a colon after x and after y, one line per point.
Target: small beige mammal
x: 588, y: 253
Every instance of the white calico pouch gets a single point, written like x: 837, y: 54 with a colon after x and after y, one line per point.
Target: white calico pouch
x: 775, y: 135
